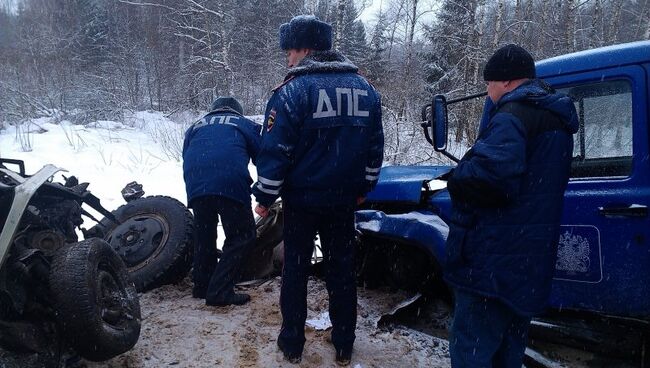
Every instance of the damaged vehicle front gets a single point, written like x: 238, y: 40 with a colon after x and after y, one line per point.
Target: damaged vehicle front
x: 58, y: 292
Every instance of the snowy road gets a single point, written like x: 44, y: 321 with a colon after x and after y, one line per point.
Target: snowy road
x: 181, y: 331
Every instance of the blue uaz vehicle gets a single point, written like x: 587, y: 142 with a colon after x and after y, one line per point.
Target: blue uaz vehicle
x: 603, y: 262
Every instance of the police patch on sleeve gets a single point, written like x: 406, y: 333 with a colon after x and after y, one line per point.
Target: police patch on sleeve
x: 270, y: 121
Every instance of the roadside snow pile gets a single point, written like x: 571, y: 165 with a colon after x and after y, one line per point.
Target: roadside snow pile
x: 146, y: 148
x: 181, y: 331
x: 107, y: 154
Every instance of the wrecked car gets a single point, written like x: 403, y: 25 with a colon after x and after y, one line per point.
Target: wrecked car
x: 57, y: 288
x: 52, y: 284
x: 604, y: 247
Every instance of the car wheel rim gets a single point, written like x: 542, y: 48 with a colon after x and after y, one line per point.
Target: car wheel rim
x: 139, y: 238
x: 112, y: 300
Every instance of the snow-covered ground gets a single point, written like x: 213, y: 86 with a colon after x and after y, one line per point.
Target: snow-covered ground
x: 106, y: 154
x: 180, y: 331
x: 145, y: 148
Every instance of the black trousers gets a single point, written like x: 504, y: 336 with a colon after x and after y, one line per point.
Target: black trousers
x: 217, y: 280
x: 336, y: 228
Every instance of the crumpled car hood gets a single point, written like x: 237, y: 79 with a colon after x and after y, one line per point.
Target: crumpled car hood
x: 403, y: 183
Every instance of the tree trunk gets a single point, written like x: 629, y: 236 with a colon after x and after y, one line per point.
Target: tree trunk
x: 528, y: 16
x: 596, y: 37
x: 497, y: 24
x: 615, y: 22
x: 396, y: 22
x: 411, y: 36
x: 339, y: 24
x: 518, y: 18
x: 570, y: 25
x: 478, y: 40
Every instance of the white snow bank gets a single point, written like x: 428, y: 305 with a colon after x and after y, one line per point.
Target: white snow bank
x: 107, y: 154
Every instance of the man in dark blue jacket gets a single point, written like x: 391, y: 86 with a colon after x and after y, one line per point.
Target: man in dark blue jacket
x: 322, y: 149
x: 216, y: 152
x: 507, y: 194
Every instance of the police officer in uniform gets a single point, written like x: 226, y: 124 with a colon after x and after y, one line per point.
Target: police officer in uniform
x: 322, y: 149
x: 216, y: 153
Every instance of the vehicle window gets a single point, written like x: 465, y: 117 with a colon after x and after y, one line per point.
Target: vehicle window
x: 603, y: 145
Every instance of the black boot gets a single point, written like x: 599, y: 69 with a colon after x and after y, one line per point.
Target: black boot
x: 234, y: 299
x: 293, y: 358
x: 198, y: 293
x: 343, y: 357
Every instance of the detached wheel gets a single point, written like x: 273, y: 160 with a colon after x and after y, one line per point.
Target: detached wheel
x: 154, y: 240
x: 96, y: 304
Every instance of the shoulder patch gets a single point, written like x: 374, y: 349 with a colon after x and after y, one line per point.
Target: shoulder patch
x: 271, y: 120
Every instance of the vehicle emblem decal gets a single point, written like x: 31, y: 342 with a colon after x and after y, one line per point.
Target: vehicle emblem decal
x: 573, y: 254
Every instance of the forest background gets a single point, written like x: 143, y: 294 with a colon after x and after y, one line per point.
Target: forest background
x: 89, y: 60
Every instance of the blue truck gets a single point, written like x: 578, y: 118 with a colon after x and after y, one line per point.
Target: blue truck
x: 603, y: 263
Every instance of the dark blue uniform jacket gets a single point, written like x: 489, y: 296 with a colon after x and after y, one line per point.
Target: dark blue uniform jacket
x: 322, y: 142
x: 507, y: 194
x: 216, y: 152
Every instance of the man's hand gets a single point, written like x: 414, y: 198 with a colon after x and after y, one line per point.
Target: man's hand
x: 261, y: 210
x: 360, y: 200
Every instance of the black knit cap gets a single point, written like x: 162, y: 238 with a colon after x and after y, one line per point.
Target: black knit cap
x: 509, y: 63
x: 227, y: 103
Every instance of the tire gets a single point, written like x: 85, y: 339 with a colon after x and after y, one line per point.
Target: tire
x: 96, y: 304
x: 154, y: 240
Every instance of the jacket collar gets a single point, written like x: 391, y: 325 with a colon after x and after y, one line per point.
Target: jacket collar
x: 538, y: 93
x: 328, y: 61
x: 224, y: 110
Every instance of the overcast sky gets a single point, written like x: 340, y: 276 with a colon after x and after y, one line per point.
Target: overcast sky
x: 9, y: 4
x: 368, y: 15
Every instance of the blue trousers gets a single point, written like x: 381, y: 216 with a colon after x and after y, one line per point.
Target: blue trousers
x: 217, y: 280
x: 336, y: 228
x: 486, y: 333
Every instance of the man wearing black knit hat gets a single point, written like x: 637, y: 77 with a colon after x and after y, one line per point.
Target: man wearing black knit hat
x: 216, y: 153
x: 507, y: 194
x: 322, y: 149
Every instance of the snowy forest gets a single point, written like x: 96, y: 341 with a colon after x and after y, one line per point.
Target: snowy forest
x: 88, y: 60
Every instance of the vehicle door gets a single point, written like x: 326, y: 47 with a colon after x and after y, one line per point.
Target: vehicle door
x: 603, y: 261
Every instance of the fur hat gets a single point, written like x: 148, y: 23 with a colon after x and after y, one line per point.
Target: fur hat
x: 509, y: 63
x: 306, y: 32
x: 227, y: 103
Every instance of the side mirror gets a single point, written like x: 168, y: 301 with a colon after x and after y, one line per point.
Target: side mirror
x: 19, y: 163
x: 435, y: 125
x: 438, y: 124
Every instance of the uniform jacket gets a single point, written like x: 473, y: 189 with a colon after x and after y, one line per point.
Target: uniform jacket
x: 322, y: 142
x: 216, y: 152
x: 507, y: 194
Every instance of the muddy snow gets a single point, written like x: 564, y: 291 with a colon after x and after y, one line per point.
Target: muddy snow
x: 178, y: 330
